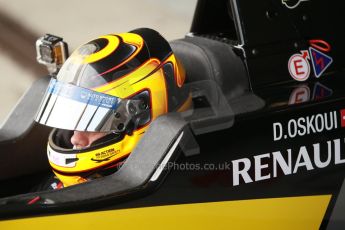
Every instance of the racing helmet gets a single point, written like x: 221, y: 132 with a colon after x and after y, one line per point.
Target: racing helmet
x: 117, y: 85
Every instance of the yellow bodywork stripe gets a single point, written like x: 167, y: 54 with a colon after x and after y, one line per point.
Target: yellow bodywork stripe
x: 276, y: 213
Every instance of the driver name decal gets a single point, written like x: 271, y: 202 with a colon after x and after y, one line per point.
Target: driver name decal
x: 295, y: 159
x: 302, y: 126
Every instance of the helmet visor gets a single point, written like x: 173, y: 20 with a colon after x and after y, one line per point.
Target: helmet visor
x: 66, y: 106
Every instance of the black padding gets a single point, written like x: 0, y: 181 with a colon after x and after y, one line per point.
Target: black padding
x: 207, y: 59
x: 246, y: 103
x: 22, y: 141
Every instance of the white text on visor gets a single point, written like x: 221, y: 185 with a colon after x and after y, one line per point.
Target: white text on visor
x: 66, y: 106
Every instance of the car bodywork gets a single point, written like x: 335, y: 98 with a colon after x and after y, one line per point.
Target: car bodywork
x: 263, y: 147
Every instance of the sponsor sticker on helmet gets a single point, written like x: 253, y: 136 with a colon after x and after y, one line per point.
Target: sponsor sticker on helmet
x: 83, y: 95
x: 105, y: 155
x: 63, y: 160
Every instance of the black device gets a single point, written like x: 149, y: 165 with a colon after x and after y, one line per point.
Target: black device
x: 52, y: 52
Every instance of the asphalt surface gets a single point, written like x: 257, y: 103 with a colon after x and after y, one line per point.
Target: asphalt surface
x: 77, y: 22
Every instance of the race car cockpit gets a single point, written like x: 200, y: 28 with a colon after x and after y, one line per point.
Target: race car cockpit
x: 162, y: 143
x: 253, y: 62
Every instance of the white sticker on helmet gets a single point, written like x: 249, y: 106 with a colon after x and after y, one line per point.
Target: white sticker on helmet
x: 63, y: 160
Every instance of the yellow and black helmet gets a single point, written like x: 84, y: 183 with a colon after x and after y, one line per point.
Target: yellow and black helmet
x: 116, y: 84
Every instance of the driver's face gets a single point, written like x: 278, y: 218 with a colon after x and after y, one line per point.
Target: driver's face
x: 85, y: 139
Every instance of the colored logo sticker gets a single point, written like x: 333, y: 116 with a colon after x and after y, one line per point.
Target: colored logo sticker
x: 342, y: 117
x: 320, y: 61
x: 292, y: 4
x: 299, y: 67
